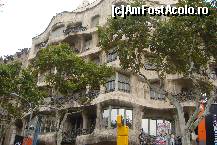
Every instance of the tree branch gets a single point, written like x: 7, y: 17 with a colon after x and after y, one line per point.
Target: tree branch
x: 196, y: 112
x: 206, y: 112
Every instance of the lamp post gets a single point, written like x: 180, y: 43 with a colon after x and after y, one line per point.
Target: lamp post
x: 30, y: 109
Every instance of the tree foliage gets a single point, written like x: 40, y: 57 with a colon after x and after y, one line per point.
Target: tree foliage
x: 14, y: 79
x: 67, y: 73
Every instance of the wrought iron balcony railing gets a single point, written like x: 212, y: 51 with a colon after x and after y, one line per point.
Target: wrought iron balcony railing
x: 70, y: 137
x: 146, y: 139
x: 74, y: 29
x: 92, y: 94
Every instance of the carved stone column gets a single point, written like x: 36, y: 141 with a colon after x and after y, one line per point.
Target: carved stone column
x: 95, y: 40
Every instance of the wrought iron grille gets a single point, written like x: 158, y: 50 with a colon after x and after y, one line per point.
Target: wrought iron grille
x: 74, y: 29
x: 70, y: 137
x: 92, y: 94
x: 146, y: 139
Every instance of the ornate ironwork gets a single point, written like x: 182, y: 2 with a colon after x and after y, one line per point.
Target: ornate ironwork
x: 186, y: 95
x: 146, y: 139
x: 92, y: 94
x: 74, y: 29
x: 70, y: 137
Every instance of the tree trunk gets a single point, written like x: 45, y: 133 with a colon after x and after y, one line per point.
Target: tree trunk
x: 5, y: 131
x: 186, y: 139
x: 58, y: 117
x: 60, y: 131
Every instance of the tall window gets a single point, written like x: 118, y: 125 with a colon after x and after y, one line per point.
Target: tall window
x: 110, y: 84
x: 156, y: 127
x: 110, y: 116
x: 123, y: 83
x: 111, y: 55
x: 95, y: 21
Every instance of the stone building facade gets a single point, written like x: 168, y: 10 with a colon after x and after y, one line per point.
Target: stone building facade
x: 124, y: 93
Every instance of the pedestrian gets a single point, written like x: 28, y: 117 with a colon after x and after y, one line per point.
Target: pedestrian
x: 172, y: 139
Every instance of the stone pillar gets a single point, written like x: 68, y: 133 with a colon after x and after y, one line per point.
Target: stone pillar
x: 137, y: 118
x: 116, y: 81
x: 85, y: 119
x: 82, y: 41
x: 109, y: 118
x: 98, y: 116
x: 95, y: 40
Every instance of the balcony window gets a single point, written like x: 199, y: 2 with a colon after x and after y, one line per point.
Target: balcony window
x: 110, y: 116
x: 123, y: 83
x: 111, y: 55
x: 57, y: 32
x: 110, y: 84
x: 87, y: 43
x: 155, y: 95
x: 95, y: 21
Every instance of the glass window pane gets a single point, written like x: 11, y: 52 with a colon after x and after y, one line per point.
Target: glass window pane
x: 114, y: 114
x: 129, y: 118
x: 168, y: 126
x: 153, y: 127
x: 110, y: 85
x: 105, y: 113
x: 105, y: 116
x: 145, y: 125
x: 121, y: 112
x: 129, y: 114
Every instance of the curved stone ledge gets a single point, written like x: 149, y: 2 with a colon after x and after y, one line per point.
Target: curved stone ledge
x: 132, y: 99
x: 105, y: 135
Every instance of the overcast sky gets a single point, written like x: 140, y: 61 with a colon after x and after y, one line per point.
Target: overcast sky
x: 20, y: 20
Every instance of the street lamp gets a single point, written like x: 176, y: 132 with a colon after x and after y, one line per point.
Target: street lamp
x: 30, y: 109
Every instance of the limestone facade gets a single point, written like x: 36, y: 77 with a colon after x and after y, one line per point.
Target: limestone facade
x: 124, y: 94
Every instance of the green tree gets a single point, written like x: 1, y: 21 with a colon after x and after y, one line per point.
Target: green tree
x: 20, y: 81
x: 66, y: 74
x: 183, y: 45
